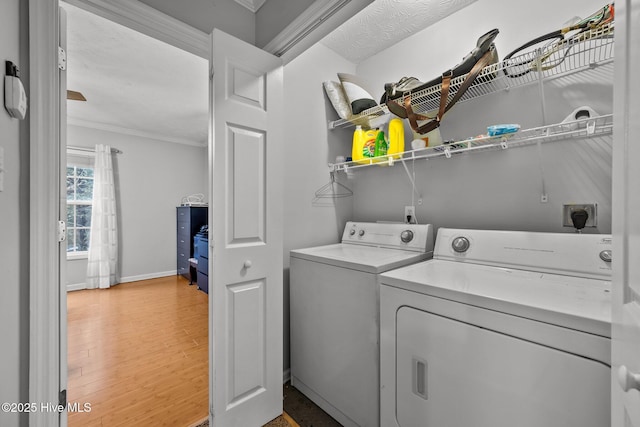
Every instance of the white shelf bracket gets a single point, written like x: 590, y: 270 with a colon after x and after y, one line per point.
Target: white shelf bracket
x: 447, y: 153
x: 412, y: 180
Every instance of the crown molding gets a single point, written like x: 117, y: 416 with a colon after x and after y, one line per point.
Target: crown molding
x: 252, y: 5
x: 303, y: 24
x: 133, y: 132
x: 318, y: 20
x: 147, y: 20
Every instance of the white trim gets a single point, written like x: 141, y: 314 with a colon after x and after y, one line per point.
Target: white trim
x: 147, y: 20
x: 299, y: 25
x: 286, y: 376
x: 318, y: 20
x: 44, y: 266
x: 73, y: 256
x: 252, y: 5
x: 133, y: 132
x: 129, y: 279
x: 147, y: 276
x: 79, y: 153
x: 76, y: 287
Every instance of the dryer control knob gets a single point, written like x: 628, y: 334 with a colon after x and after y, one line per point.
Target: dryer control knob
x: 352, y: 232
x: 361, y: 233
x: 406, y: 236
x: 628, y: 380
x: 460, y: 244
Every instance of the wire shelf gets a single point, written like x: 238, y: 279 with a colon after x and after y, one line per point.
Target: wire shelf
x: 577, y: 129
x: 585, y: 50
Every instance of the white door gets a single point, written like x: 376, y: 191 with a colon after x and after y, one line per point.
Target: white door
x: 62, y: 250
x: 245, y: 294
x: 626, y: 225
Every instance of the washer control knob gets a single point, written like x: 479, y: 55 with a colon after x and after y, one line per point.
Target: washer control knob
x: 361, y: 233
x: 352, y: 232
x: 406, y: 236
x: 606, y: 255
x: 460, y: 244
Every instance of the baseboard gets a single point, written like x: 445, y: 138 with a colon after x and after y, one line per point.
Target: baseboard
x: 286, y: 375
x: 76, y: 287
x: 147, y: 276
x: 81, y: 286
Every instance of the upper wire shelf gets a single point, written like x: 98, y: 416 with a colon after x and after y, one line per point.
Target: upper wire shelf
x: 577, y: 129
x: 588, y: 49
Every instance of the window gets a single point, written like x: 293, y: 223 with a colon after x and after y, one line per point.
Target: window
x: 79, y: 201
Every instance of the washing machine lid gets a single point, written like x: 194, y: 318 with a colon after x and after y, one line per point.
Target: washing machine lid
x: 577, y: 303
x: 361, y: 258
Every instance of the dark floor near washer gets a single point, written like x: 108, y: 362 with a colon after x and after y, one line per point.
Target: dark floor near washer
x: 304, y: 411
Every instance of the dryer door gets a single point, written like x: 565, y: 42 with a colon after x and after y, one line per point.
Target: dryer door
x: 450, y: 373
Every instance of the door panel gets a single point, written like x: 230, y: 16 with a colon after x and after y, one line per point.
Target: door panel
x: 451, y: 373
x: 248, y: 181
x: 246, y: 234
x: 247, y: 85
x: 247, y: 333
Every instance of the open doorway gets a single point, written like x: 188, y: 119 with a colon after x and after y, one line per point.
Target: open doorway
x: 135, y: 343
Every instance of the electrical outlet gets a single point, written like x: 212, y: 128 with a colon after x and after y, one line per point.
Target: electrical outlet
x: 591, y: 208
x: 410, y: 214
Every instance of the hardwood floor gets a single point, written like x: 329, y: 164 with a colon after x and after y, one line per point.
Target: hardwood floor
x: 138, y: 354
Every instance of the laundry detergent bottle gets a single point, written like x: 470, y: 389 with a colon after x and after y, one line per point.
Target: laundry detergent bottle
x: 382, y: 146
x: 358, y: 144
x: 364, y: 145
x: 396, y: 137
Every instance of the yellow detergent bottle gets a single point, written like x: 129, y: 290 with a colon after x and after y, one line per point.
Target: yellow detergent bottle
x: 364, y: 145
x: 396, y: 137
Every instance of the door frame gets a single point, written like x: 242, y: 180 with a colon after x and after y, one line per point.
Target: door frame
x: 44, y: 328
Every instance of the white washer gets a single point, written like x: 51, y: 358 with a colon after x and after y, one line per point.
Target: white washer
x: 499, y: 329
x: 335, y: 315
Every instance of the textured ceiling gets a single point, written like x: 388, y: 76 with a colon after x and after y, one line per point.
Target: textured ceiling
x: 134, y: 84
x: 137, y: 85
x: 386, y: 22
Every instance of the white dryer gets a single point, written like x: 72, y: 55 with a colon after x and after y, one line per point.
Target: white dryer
x: 334, y: 315
x: 499, y: 329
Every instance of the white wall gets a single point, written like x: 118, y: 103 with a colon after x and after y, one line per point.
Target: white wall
x: 496, y: 190
x: 309, y: 147
x: 151, y: 179
x: 14, y: 227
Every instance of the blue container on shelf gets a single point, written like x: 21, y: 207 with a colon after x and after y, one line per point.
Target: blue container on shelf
x: 496, y: 130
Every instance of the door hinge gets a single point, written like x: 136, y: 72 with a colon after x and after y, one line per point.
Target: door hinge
x: 62, y: 399
x: 62, y: 59
x: 62, y: 231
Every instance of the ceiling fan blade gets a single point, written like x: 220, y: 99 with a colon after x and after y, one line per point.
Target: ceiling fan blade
x: 75, y: 96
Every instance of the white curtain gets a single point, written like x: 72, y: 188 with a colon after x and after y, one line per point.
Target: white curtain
x: 103, y: 243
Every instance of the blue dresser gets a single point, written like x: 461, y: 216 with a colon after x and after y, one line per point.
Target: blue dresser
x: 189, y: 221
x: 202, y: 249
